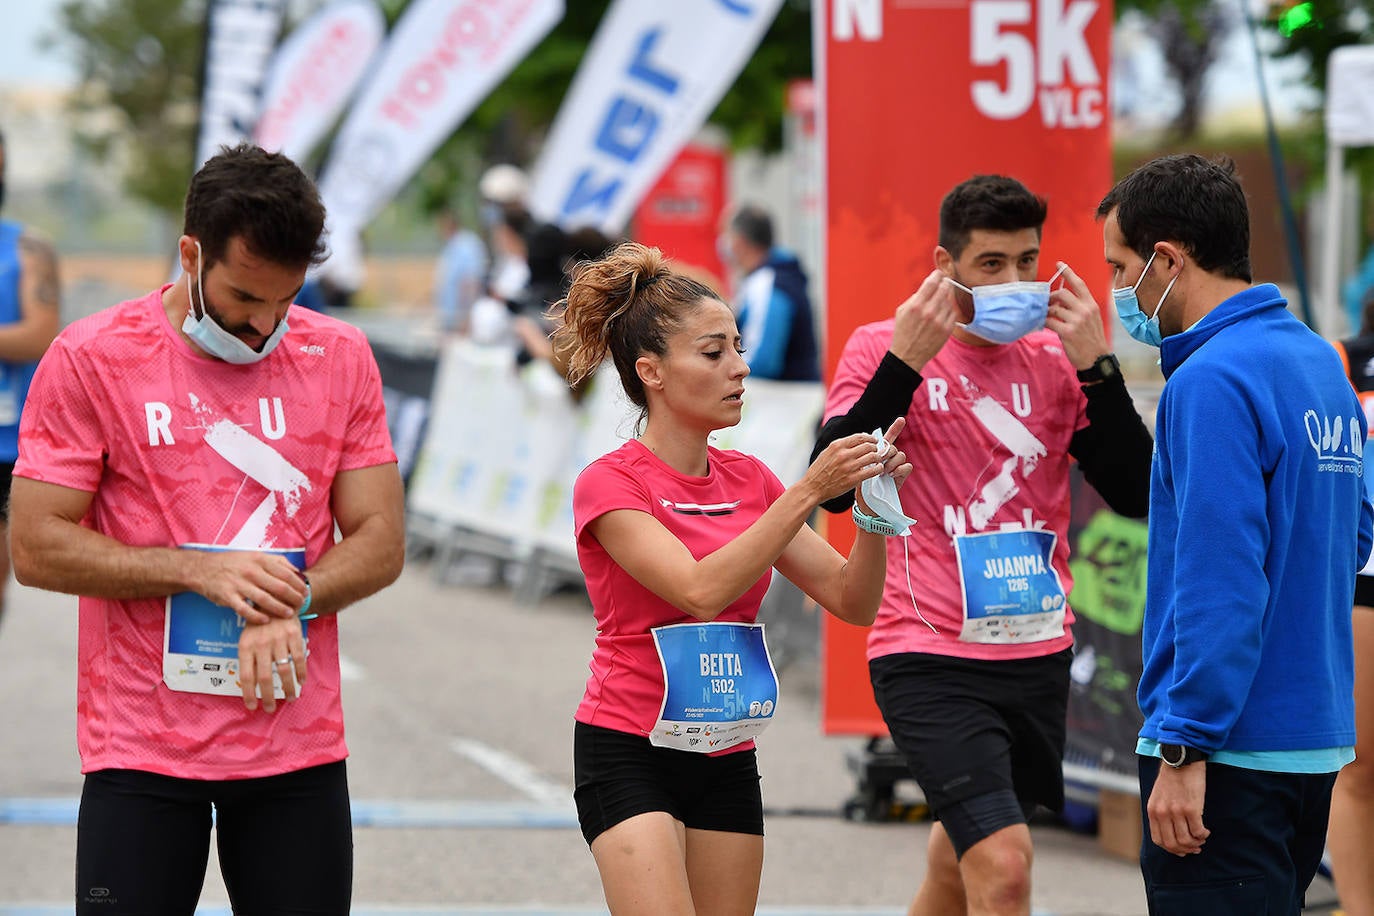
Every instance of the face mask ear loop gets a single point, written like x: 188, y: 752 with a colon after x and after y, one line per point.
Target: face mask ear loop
x: 1165, y: 296
x: 1062, y: 268
x: 910, y: 590
x: 1135, y: 286
x: 960, y: 285
x: 200, y: 281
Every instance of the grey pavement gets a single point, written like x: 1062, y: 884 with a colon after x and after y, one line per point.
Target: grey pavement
x: 459, y: 705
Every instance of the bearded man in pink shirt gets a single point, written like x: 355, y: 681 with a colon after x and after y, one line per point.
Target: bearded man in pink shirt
x: 183, y: 464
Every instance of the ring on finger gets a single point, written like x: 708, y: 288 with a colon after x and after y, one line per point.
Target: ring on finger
x: 283, y: 661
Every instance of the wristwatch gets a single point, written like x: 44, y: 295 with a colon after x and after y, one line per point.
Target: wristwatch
x: 1180, y: 755
x: 1106, y: 367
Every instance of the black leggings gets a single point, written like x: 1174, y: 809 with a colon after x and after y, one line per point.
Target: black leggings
x: 285, y: 843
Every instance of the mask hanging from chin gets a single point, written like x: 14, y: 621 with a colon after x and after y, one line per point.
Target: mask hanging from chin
x: 1005, y: 312
x: 208, y: 334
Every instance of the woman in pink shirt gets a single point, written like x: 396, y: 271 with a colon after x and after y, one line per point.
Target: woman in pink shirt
x: 678, y: 541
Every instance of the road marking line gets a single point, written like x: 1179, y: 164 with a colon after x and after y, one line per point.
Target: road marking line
x: 513, y: 771
x: 349, y: 670
x: 384, y: 813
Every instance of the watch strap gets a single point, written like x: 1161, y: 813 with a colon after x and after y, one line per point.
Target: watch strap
x: 1180, y: 755
x: 1104, y: 367
x: 871, y: 523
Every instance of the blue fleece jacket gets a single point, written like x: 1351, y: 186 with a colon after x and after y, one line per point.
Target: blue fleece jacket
x: 775, y: 321
x: 1258, y: 524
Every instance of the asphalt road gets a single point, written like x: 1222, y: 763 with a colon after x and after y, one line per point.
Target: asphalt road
x: 459, y: 709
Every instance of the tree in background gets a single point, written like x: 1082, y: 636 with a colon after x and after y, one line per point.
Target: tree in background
x: 140, y: 62
x: 1188, y: 32
x: 1313, y: 29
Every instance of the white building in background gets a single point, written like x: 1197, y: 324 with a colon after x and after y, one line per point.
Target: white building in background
x: 38, y: 138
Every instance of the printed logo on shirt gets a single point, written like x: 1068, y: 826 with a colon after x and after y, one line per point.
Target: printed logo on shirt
x: 700, y: 509
x: 1026, y: 451
x: 313, y: 350
x: 281, y: 485
x: 1337, y: 442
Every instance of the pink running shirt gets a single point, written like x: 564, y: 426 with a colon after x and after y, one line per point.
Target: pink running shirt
x: 966, y: 436
x: 180, y: 448
x: 625, y: 690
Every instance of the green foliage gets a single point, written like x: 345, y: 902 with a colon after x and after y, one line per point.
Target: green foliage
x: 1315, y: 28
x: 139, y: 63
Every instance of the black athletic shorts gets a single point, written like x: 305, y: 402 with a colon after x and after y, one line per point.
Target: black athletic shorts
x: 971, y: 728
x: 1364, y: 591
x: 285, y: 843
x: 618, y: 775
x: 6, y: 478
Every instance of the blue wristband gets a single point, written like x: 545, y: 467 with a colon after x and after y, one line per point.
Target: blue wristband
x: 303, y: 613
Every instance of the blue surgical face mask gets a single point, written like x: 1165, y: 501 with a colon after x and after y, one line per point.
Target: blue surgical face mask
x: 881, y: 494
x: 1005, y: 312
x: 208, y: 334
x: 1145, y: 330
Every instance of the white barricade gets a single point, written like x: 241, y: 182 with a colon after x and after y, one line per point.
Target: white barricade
x: 495, y: 435
x: 504, y: 447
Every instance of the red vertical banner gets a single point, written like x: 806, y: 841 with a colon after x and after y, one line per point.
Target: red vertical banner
x: 917, y: 96
x: 682, y: 212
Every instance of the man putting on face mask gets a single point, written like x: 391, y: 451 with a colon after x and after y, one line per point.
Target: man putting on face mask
x: 1001, y: 382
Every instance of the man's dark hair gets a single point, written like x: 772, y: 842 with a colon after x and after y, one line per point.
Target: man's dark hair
x: 992, y: 202
x: 1187, y: 199
x: 753, y: 224
x: 263, y: 198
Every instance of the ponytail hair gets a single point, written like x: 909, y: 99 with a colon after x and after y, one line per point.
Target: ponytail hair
x: 624, y: 305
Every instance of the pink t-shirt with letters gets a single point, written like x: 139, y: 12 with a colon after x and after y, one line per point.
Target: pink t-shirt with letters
x: 178, y: 447
x: 987, y: 435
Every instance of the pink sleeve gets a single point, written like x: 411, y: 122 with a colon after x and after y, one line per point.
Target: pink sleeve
x: 61, y: 439
x: 772, y: 486
x: 604, y: 486
x: 367, y: 442
x: 853, y: 371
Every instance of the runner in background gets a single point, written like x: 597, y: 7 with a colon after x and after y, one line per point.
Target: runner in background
x: 30, y: 315
x: 1350, y: 834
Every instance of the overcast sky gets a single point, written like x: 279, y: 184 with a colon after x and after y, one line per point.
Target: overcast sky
x: 21, y: 60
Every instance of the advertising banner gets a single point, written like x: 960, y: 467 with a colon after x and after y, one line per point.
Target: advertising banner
x: 314, y: 73
x: 240, y: 36
x: 1108, y: 600
x: 653, y: 74
x: 915, y: 98
x: 442, y: 59
x: 682, y: 212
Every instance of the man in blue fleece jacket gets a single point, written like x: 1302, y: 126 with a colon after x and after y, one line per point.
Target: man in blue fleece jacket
x: 1258, y: 524
x: 773, y: 306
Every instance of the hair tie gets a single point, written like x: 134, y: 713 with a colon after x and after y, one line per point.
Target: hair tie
x: 644, y: 284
